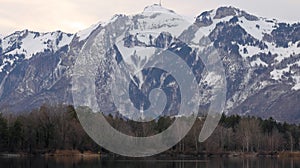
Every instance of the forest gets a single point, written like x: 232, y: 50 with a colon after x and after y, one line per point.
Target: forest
x: 51, y: 128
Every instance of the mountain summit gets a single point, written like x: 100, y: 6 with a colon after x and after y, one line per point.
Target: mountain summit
x: 261, y: 58
x: 156, y: 8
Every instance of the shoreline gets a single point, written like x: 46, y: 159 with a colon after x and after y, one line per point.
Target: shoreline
x: 89, y: 154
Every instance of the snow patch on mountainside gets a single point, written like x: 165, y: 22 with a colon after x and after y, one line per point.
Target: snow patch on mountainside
x: 247, y: 51
x: 25, y: 44
x: 135, y: 56
x: 66, y: 40
x: 33, y: 43
x: 213, y: 79
x: 297, y: 85
x: 258, y: 62
x: 284, y: 52
x: 281, y: 52
x: 206, y: 30
x: 30, y: 46
x: 257, y: 28
x: 277, y: 74
x: 84, y: 34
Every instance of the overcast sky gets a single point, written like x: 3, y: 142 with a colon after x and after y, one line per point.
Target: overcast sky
x: 73, y: 15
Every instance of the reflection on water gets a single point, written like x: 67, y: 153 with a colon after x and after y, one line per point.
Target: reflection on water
x: 82, y: 162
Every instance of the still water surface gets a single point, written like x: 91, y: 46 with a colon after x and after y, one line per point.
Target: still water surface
x: 72, y: 162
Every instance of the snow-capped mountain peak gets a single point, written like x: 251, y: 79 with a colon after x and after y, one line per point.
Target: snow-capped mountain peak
x: 153, y: 12
x: 25, y: 44
x: 224, y: 11
x: 29, y: 43
x: 156, y: 8
x: 261, y: 57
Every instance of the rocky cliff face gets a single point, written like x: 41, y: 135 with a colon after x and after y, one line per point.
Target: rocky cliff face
x: 261, y: 58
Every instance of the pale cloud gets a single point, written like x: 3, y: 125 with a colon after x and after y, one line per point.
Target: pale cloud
x: 73, y: 15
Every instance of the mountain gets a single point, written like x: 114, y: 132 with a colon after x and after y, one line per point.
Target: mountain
x: 261, y: 58
x: 263, y: 66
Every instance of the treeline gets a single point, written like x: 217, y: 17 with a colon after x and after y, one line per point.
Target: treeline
x: 251, y: 134
x: 50, y: 128
x: 44, y: 130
